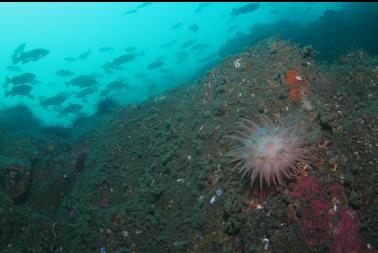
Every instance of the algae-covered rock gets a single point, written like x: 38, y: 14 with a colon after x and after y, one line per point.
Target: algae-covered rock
x: 15, y: 176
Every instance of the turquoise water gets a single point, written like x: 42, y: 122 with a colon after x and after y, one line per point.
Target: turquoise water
x: 157, y: 31
x: 188, y: 127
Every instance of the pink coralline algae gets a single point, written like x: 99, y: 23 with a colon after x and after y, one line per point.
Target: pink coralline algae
x: 327, y: 220
x: 348, y: 239
x: 316, y: 220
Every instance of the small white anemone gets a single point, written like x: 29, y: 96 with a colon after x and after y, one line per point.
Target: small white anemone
x: 270, y: 150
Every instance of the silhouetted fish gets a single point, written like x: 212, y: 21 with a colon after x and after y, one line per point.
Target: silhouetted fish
x: 130, y: 49
x: 130, y: 12
x: 58, y: 99
x: 16, y: 53
x: 64, y: 73
x: 194, y: 28
x: 201, y: 7
x: 155, y: 64
x: 168, y: 44
x: 20, y: 49
x: 188, y: 43
x: 86, y: 92
x: 105, y: 49
x: 84, y: 55
x: 20, y: 90
x: 13, y: 68
x: 145, y: 4
x: 244, y: 10
x: 70, y: 59
x: 83, y: 81
x: 117, y: 85
x: 117, y: 62
x: 32, y: 55
x: 199, y: 46
x: 26, y: 78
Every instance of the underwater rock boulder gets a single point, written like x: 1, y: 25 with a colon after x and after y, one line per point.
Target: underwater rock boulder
x: 17, y: 117
x: 15, y: 176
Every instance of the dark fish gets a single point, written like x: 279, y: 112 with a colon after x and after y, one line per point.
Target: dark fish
x: 70, y: 59
x: 123, y: 59
x: 176, y: 26
x: 32, y: 55
x: 83, y: 81
x: 64, y: 73
x: 244, y: 10
x: 119, y: 61
x: 130, y: 49
x: 20, y: 49
x: 110, y: 69
x: 168, y: 44
x: 201, y: 7
x: 199, y: 47
x: 26, y: 78
x: 105, y: 49
x: 130, y: 12
x: 13, y: 68
x: 20, y: 90
x: 58, y: 99
x: 194, y: 28
x: 117, y: 85
x: 72, y: 108
x: 145, y: 4
x: 155, y: 65
x: 84, y: 55
x: 140, y: 75
x: 188, y: 43
x: 86, y: 92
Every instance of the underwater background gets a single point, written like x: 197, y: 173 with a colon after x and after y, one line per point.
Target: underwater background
x: 105, y: 31
x: 188, y: 127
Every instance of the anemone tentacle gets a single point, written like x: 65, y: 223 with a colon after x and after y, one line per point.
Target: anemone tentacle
x: 267, y: 149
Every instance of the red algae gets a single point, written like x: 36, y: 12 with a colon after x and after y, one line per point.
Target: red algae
x: 327, y: 220
x: 348, y: 239
x: 316, y: 221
